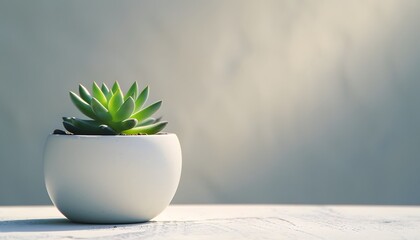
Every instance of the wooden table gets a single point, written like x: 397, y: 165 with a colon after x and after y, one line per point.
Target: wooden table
x: 225, y: 222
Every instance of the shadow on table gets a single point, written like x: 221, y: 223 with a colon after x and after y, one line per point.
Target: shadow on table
x: 53, y: 225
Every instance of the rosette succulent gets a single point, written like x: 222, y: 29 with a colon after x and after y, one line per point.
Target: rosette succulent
x: 111, y: 112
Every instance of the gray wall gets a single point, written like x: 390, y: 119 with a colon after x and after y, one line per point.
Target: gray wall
x: 273, y: 101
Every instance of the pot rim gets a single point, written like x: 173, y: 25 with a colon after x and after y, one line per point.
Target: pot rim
x: 164, y: 134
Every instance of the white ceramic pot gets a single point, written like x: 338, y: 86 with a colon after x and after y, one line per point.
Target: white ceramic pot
x: 112, y: 179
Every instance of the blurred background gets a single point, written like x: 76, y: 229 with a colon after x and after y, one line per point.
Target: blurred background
x: 273, y: 101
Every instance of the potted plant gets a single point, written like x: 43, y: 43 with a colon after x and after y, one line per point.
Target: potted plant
x: 116, y: 166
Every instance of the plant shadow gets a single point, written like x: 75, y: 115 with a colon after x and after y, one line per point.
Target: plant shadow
x: 54, y: 225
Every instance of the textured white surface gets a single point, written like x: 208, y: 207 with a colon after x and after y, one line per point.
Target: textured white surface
x: 225, y: 222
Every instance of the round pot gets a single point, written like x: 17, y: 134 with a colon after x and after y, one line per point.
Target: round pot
x: 112, y: 179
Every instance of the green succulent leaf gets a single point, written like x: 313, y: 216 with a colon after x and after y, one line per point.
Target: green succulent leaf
x: 83, y: 106
x: 158, y: 119
x: 115, y: 102
x: 107, y: 130
x: 67, y: 119
x: 142, y: 98
x: 126, y: 124
x: 99, y: 130
x: 113, y: 113
x: 82, y: 123
x: 146, y: 122
x: 148, y: 129
x: 86, y: 126
x: 109, y: 96
x: 84, y: 94
x: 116, y: 87
x: 132, y: 92
x: 147, y: 112
x: 99, y: 95
x: 105, y: 91
x: 100, y: 111
x: 124, y: 111
x: 71, y: 128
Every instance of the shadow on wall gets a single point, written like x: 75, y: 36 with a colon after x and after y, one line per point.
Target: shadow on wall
x: 273, y: 101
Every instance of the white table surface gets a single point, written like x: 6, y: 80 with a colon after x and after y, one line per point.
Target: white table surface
x: 225, y: 222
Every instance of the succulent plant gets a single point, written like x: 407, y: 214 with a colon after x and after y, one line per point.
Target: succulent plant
x: 111, y: 112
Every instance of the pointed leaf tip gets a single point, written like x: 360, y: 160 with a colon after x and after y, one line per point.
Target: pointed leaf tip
x: 116, y: 87
x: 83, y: 106
x: 84, y: 94
x: 99, y: 95
x: 104, y: 89
x: 142, y: 98
x: 132, y: 92
x: 148, y: 111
